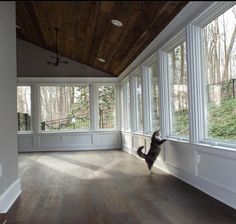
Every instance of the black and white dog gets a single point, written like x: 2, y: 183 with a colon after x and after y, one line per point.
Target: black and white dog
x: 154, y: 150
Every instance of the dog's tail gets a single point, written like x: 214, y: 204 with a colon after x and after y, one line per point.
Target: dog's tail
x: 140, y: 153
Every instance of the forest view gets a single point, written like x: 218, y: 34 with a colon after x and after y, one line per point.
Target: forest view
x: 220, y: 72
x: 220, y: 58
x: 66, y: 107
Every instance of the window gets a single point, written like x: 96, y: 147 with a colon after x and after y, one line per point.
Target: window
x: 107, y: 106
x: 154, y: 97
x: 24, y: 108
x: 220, y: 76
x: 139, y: 102
x: 64, y: 107
x: 178, y: 91
x: 126, y: 109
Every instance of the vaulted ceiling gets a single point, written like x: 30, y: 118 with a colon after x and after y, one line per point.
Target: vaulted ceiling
x: 86, y: 32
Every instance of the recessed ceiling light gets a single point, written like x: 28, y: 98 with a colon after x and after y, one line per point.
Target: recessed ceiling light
x: 101, y: 60
x: 116, y: 22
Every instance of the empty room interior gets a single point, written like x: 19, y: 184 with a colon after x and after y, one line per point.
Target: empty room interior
x: 90, y: 89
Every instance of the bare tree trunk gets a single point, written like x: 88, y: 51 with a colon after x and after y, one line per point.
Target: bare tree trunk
x: 228, y: 53
x: 217, y: 53
x: 173, y: 69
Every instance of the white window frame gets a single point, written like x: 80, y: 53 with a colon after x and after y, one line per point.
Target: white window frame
x: 197, y: 76
x: 32, y: 108
x: 165, y: 91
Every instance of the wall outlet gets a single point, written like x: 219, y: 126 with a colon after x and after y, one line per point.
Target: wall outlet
x: 0, y: 170
x: 198, y: 159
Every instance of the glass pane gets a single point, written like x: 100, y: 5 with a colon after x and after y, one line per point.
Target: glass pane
x: 107, y: 106
x: 24, y: 108
x: 154, y: 104
x: 179, y: 91
x: 64, y: 107
x: 139, y: 106
x: 220, y: 58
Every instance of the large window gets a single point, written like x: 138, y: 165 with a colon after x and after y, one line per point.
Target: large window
x: 154, y: 98
x: 178, y: 91
x: 220, y: 63
x: 64, y: 107
x: 107, y: 106
x: 24, y: 108
x: 139, y: 102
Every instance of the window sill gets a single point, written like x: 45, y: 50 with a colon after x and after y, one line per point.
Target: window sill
x: 177, y: 139
x: 77, y: 131
x: 218, y: 145
x: 25, y: 133
x: 182, y: 140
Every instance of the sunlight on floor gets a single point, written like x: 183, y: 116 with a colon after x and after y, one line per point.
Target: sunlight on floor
x: 77, y: 170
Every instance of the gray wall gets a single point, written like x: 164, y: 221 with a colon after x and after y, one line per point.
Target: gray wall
x: 32, y: 62
x: 8, y: 121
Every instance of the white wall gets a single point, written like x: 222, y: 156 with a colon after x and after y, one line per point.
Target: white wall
x: 32, y: 62
x: 9, y: 183
x: 209, y: 169
x: 62, y: 141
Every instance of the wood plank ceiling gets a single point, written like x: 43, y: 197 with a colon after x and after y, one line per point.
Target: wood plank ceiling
x: 86, y: 32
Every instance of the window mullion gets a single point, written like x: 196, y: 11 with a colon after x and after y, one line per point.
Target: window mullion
x: 126, y: 111
x: 195, y: 82
x: 93, y: 98
x: 36, y: 108
x: 164, y: 93
x: 118, y: 107
x: 122, y: 100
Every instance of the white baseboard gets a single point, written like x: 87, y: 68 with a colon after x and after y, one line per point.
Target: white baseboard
x: 225, y: 196
x: 9, y: 196
x: 214, y: 190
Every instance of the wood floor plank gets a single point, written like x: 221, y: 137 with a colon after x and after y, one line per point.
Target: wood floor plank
x: 107, y: 187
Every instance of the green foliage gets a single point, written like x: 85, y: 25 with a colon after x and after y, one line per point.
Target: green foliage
x: 181, y: 123
x: 106, y: 103
x: 222, y: 120
x: 106, y: 97
x: 81, y: 100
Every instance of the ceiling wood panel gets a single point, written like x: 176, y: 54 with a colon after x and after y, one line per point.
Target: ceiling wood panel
x: 86, y: 32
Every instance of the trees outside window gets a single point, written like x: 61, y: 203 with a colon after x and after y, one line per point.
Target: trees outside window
x: 139, y: 102
x: 24, y: 108
x: 126, y: 106
x: 64, y: 107
x: 154, y: 96
x: 220, y: 69
x: 178, y: 91
x: 107, y: 106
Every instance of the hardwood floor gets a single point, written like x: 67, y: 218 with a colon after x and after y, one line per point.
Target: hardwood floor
x: 107, y: 187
